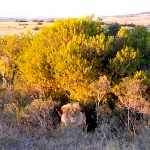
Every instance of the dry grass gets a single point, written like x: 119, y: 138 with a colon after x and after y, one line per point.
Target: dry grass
x: 75, y: 139
x: 7, y: 28
x: 135, y: 19
x: 111, y: 134
x: 31, y: 128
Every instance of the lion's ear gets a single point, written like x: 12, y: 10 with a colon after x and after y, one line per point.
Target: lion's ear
x: 63, y: 109
x: 77, y: 106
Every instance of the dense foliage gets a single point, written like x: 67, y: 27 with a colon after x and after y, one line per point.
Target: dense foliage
x: 76, y: 59
x: 69, y: 55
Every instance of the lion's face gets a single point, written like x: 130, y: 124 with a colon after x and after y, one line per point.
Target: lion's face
x: 72, y: 114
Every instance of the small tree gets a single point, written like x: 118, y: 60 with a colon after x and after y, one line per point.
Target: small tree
x: 100, y: 88
x: 131, y: 94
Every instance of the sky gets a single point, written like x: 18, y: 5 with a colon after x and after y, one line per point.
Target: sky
x: 71, y: 8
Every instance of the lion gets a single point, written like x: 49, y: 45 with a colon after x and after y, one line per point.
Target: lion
x: 72, y: 115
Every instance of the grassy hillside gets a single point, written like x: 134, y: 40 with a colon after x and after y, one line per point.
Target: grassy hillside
x: 137, y: 19
x: 13, y: 27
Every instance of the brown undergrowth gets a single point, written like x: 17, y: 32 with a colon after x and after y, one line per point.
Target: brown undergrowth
x: 35, y: 125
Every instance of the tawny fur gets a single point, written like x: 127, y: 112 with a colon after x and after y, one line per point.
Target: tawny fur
x: 72, y: 115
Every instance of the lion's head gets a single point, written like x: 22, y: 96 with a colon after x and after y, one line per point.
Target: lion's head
x: 72, y: 115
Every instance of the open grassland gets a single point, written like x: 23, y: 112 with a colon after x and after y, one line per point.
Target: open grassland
x: 7, y: 28
x: 139, y: 19
x: 13, y: 27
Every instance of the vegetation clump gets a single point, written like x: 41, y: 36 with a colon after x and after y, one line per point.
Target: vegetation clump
x: 75, y: 59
